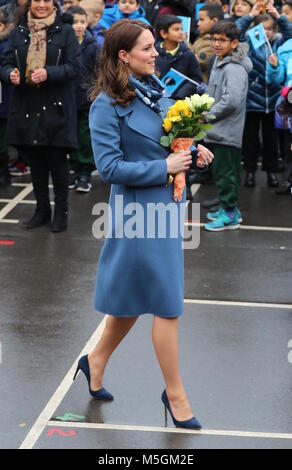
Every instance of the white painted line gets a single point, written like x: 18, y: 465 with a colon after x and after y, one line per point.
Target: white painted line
x: 13, y: 203
x: 208, y: 432
x: 9, y: 221
x: 248, y: 227
x: 25, y: 201
x: 270, y: 229
x: 26, y: 184
x: 20, y: 184
x: 60, y: 393
x: 230, y: 303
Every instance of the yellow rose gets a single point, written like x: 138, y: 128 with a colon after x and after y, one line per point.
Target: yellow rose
x: 172, y: 112
x: 167, y: 124
x: 175, y: 119
x: 180, y: 105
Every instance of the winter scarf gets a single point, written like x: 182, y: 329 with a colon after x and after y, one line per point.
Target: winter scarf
x: 149, y: 90
x: 37, y: 51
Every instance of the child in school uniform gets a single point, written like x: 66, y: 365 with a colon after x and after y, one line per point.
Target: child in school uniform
x: 81, y: 160
x: 174, y: 53
x: 228, y: 84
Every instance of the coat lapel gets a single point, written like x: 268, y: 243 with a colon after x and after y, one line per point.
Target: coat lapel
x: 144, y: 120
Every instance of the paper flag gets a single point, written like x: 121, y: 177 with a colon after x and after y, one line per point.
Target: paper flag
x: 172, y: 81
x: 257, y: 36
x: 186, y: 25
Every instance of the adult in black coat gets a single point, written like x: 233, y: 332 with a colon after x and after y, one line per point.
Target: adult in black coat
x: 43, y: 116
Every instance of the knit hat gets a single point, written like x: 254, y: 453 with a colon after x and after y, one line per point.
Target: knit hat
x: 251, y: 2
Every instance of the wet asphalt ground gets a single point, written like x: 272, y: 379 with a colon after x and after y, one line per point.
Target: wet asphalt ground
x: 235, y: 335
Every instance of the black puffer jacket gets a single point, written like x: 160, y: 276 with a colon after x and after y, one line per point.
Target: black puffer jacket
x: 90, y: 53
x: 44, y: 115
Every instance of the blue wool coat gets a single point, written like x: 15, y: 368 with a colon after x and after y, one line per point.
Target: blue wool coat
x: 136, y: 275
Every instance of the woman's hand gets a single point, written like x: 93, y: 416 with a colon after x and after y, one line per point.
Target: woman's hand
x: 179, y: 161
x: 15, y: 77
x: 273, y: 59
x: 205, y: 157
x: 39, y: 75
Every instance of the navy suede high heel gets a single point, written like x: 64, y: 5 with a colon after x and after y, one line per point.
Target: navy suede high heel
x: 102, y: 393
x: 191, y: 423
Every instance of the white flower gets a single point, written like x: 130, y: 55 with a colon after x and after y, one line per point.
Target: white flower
x: 207, y: 100
x: 193, y: 102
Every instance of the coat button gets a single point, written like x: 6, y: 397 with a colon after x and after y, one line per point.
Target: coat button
x: 27, y: 115
x: 38, y: 114
x: 35, y: 141
x: 44, y: 108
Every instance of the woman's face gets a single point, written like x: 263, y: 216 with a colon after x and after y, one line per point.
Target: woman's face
x: 141, y: 57
x: 41, y: 8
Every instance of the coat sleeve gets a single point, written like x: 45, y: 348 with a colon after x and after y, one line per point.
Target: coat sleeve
x: 243, y: 23
x: 285, y: 27
x: 9, y: 59
x: 69, y: 69
x: 106, y: 144
x: 276, y: 75
x: 233, y: 93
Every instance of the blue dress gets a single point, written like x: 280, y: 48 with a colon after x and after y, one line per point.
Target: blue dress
x: 141, y: 265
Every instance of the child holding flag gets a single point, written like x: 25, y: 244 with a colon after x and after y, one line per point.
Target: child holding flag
x: 262, y: 97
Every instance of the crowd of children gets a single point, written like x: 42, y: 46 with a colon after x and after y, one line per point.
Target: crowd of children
x: 251, y: 84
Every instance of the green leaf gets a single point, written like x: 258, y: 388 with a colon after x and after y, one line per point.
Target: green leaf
x: 210, y: 117
x: 200, y: 136
x: 206, y: 127
x: 165, y: 141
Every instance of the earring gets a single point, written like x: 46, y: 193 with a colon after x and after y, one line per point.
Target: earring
x: 126, y: 63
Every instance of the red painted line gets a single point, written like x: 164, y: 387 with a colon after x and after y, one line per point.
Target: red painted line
x: 70, y: 433
x: 7, y: 242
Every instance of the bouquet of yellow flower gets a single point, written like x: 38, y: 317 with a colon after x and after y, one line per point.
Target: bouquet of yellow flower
x: 186, y: 123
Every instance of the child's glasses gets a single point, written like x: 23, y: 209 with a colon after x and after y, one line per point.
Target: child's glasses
x: 219, y: 40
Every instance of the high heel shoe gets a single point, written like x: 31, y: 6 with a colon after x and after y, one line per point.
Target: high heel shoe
x: 191, y: 423
x: 102, y: 393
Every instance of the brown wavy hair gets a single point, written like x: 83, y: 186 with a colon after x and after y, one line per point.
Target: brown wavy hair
x: 113, y: 73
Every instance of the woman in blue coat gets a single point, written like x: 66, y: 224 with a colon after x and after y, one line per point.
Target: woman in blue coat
x: 140, y: 269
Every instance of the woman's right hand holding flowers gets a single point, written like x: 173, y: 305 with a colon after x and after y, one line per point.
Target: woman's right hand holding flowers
x: 178, y: 161
x: 15, y: 77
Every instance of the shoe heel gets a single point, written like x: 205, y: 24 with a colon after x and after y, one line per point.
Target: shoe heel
x: 77, y: 370
x: 165, y: 415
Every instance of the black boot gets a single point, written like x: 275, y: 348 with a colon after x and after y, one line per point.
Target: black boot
x: 272, y: 179
x: 250, y: 180
x: 41, y: 217
x: 60, y: 220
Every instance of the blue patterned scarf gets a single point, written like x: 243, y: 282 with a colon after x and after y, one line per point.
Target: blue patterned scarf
x: 149, y: 90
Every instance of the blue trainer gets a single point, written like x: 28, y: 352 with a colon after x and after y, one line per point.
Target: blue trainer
x: 214, y: 215
x: 222, y: 222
